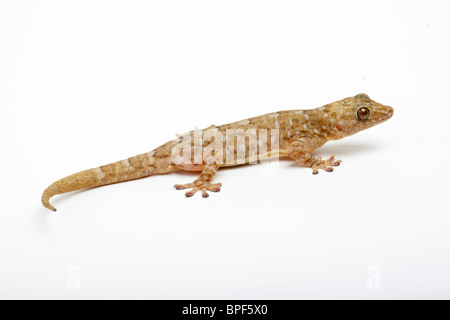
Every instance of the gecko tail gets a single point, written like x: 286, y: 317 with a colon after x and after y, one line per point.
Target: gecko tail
x: 92, y: 178
x: 78, y: 181
x: 137, y: 167
x: 46, y: 196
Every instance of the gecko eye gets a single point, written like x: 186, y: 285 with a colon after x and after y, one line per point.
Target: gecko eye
x: 363, y: 114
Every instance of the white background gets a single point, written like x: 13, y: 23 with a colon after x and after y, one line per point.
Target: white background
x: 86, y: 83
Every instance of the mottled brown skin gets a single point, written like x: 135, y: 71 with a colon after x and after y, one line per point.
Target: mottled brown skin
x: 300, y: 133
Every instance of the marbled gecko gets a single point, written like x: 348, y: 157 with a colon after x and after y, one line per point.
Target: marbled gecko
x: 293, y: 133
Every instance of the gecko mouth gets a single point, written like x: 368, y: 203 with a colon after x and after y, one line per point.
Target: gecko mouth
x: 388, y: 113
x: 391, y: 112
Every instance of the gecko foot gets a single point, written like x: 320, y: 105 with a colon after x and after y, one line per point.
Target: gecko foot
x: 326, y: 165
x: 197, y: 186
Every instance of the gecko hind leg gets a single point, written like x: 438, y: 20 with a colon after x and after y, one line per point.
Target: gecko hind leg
x: 203, y: 182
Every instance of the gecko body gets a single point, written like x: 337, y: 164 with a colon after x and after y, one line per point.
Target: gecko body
x: 292, y: 133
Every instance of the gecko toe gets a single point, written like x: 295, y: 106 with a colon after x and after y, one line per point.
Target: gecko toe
x: 326, y: 165
x: 184, y: 186
x: 189, y: 194
x: 204, y: 187
x: 215, y: 187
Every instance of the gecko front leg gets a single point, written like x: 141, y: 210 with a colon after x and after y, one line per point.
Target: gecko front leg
x: 203, y: 182
x: 300, y: 149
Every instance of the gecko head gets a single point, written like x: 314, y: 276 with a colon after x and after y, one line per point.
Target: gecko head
x: 354, y: 114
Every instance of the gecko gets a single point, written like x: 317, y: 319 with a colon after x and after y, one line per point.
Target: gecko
x: 292, y: 133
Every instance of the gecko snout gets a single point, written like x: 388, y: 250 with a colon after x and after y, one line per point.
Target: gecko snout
x: 390, y: 112
x: 383, y: 112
